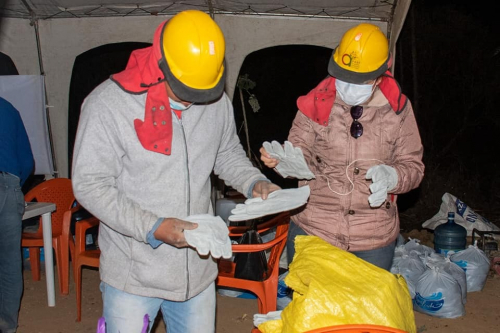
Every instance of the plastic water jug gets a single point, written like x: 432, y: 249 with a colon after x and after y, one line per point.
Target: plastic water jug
x: 450, y: 236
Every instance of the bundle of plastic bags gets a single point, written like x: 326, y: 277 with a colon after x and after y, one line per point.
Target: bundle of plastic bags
x: 334, y: 287
x: 452, y: 269
x: 441, y: 289
x: 408, y: 261
x: 476, y: 265
x: 439, y: 294
x: 411, y: 267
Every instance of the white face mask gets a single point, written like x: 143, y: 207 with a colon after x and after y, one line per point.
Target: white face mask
x: 178, y: 105
x: 354, y: 94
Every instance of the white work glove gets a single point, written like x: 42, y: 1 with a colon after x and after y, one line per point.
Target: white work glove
x: 260, y: 318
x: 291, y: 160
x: 384, y: 178
x: 212, y: 235
x: 277, y: 201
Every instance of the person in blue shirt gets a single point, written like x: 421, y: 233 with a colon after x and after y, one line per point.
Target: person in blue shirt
x: 16, y: 164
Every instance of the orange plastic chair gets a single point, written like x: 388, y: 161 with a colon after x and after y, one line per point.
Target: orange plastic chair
x: 60, y: 192
x: 266, y: 290
x: 80, y: 256
x: 356, y: 328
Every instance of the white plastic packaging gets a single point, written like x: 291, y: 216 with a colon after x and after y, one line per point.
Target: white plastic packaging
x: 476, y: 265
x: 455, y: 271
x: 410, y: 267
x: 438, y: 294
x: 464, y: 216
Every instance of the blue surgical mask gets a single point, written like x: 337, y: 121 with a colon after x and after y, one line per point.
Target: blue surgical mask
x: 354, y: 94
x: 178, y: 105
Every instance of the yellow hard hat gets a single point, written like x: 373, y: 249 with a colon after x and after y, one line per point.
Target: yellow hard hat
x: 362, y: 55
x: 193, y: 49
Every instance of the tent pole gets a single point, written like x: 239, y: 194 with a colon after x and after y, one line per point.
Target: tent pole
x: 211, y: 8
x: 34, y: 23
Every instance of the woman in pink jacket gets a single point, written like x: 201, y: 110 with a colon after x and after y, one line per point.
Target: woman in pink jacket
x: 359, y: 137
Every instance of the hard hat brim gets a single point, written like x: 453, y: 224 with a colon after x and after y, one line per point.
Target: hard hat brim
x: 355, y: 77
x: 189, y: 94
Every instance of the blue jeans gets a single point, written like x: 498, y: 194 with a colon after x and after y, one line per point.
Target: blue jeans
x: 11, y: 266
x: 381, y: 257
x: 124, y: 312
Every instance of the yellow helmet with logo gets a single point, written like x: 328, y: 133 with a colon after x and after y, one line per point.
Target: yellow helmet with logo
x: 193, y: 49
x: 362, y: 55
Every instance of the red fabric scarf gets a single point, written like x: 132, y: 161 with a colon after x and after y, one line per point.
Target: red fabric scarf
x: 143, y: 75
x: 318, y: 103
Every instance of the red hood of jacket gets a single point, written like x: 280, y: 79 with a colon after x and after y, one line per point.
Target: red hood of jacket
x: 318, y: 103
x: 143, y: 75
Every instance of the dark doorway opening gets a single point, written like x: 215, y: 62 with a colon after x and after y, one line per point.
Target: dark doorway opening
x: 7, y: 66
x: 90, y: 69
x: 281, y: 74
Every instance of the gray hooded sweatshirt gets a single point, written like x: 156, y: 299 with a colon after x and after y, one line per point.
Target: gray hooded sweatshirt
x: 129, y: 188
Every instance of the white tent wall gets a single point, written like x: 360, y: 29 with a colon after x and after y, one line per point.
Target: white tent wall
x: 18, y: 41
x: 62, y: 40
x: 68, y: 38
x: 246, y: 34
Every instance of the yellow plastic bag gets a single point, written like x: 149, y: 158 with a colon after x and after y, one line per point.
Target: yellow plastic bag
x: 334, y: 287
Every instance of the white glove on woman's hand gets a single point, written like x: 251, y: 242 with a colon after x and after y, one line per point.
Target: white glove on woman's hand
x: 291, y: 160
x: 384, y: 178
x: 277, y: 201
x: 212, y: 235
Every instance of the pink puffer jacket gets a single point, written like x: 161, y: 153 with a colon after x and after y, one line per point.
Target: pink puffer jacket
x: 338, y: 210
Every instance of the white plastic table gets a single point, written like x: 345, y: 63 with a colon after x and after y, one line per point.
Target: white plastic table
x: 45, y: 209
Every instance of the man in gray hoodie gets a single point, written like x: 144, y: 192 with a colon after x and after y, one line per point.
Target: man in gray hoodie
x: 148, y: 140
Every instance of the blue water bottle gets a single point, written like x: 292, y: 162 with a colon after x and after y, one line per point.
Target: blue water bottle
x: 450, y: 236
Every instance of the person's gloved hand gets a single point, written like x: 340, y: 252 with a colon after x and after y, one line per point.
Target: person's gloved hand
x: 384, y: 178
x: 277, y: 201
x: 291, y: 160
x: 260, y: 318
x: 212, y: 235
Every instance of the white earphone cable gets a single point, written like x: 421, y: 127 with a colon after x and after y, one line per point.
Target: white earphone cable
x: 347, y: 175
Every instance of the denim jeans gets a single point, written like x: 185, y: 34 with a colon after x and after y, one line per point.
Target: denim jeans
x: 124, y: 312
x: 11, y: 267
x: 381, y: 257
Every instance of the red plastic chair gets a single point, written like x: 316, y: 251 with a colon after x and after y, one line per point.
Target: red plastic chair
x: 266, y: 290
x: 80, y: 256
x: 60, y: 192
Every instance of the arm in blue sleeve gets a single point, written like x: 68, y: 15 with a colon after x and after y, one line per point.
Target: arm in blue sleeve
x: 250, y: 189
x: 151, y: 238
x: 26, y: 162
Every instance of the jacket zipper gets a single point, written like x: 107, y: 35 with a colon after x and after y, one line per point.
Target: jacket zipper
x: 188, y: 193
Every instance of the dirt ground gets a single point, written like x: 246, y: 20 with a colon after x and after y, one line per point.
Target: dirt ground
x: 234, y: 315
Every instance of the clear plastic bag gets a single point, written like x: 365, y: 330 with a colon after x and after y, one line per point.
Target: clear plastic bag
x: 438, y: 294
x: 454, y: 270
x: 410, y: 267
x: 476, y: 265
